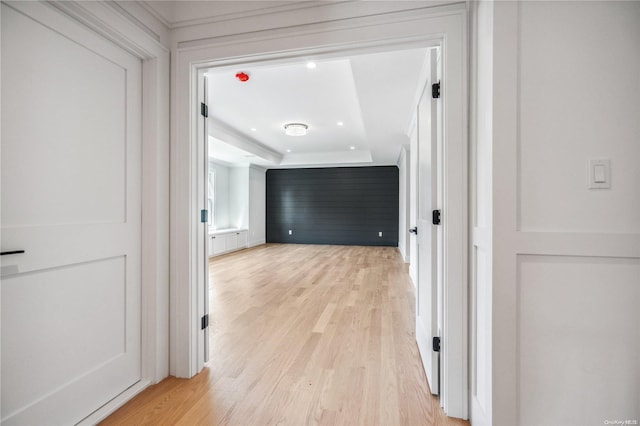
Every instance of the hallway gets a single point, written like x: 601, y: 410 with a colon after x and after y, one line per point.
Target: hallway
x: 302, y: 334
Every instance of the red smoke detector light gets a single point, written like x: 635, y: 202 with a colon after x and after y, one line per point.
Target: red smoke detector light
x: 242, y: 76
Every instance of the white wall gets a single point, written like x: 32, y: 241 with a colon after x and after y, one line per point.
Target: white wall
x: 403, y: 201
x: 239, y: 197
x: 221, y: 204
x: 257, y: 206
x: 566, y: 259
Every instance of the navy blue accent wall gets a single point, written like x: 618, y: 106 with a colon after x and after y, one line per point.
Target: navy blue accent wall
x: 341, y: 205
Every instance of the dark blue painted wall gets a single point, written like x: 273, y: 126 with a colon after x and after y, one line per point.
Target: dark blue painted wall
x: 345, y: 205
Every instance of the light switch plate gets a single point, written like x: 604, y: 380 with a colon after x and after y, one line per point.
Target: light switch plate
x: 599, y: 174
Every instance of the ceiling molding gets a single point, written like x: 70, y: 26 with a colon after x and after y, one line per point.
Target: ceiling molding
x: 260, y: 11
x: 115, y: 24
x: 121, y: 10
x: 153, y: 12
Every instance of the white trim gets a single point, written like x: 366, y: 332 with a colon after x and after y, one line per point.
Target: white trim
x: 103, y: 412
x: 420, y: 27
x: 171, y: 24
x: 115, y: 24
x: 257, y: 243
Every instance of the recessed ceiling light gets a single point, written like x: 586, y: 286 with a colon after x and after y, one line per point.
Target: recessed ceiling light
x: 311, y: 65
x: 352, y: 148
x: 253, y: 129
x: 288, y: 150
x: 340, y: 123
x: 295, y: 129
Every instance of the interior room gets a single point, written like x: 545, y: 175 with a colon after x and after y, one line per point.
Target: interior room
x: 354, y: 112
x: 390, y: 212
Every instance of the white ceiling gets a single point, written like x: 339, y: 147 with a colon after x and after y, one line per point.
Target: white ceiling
x: 373, y: 95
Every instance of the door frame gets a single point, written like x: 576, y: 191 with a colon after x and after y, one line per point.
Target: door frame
x: 113, y: 23
x: 445, y: 25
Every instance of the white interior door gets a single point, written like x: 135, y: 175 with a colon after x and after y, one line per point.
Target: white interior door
x: 203, y: 296
x: 71, y: 199
x: 437, y: 137
x: 429, y: 238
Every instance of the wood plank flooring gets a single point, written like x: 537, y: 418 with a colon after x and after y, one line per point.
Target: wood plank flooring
x: 302, y: 335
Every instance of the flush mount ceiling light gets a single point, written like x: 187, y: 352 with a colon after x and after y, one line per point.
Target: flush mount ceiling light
x: 295, y: 129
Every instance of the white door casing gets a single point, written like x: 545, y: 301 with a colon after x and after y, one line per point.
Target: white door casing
x: 71, y: 198
x: 429, y: 245
x: 416, y: 28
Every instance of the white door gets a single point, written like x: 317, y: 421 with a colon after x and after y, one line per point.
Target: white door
x: 429, y: 238
x: 203, y: 189
x: 71, y: 182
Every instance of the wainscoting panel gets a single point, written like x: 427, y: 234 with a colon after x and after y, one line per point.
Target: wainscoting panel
x: 578, y: 339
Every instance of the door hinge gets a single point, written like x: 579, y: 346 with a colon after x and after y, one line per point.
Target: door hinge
x: 204, y: 109
x: 204, y: 216
x: 435, y: 90
x: 435, y: 217
x: 204, y: 322
x: 436, y: 344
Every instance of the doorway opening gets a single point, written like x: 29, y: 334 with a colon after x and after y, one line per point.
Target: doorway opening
x: 243, y: 141
x: 418, y: 29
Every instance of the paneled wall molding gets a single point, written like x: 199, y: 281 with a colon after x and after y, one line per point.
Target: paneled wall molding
x: 565, y: 305
x: 578, y: 244
x: 565, y: 258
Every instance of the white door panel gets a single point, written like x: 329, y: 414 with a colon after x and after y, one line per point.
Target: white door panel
x: 76, y: 125
x: 71, y: 198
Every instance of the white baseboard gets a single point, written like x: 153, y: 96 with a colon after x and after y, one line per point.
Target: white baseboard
x: 403, y: 253
x: 257, y: 243
x: 110, y: 407
x: 413, y: 275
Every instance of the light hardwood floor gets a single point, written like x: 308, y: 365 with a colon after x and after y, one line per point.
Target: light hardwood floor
x: 302, y: 334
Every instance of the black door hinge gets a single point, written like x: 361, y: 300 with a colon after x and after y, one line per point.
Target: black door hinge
x: 204, y: 322
x: 435, y: 90
x: 436, y: 344
x: 204, y: 216
x: 435, y: 217
x: 204, y: 109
